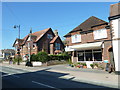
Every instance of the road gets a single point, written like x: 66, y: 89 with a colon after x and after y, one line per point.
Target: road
x: 18, y: 78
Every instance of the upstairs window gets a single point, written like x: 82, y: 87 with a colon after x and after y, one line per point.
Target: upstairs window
x: 100, y: 34
x: 57, y: 46
x: 76, y: 38
x: 49, y: 36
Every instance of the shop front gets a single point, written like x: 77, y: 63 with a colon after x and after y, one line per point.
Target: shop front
x: 88, y: 53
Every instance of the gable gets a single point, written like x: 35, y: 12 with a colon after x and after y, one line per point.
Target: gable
x: 87, y: 25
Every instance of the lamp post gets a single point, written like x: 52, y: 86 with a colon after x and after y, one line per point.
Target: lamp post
x: 18, y: 50
x: 29, y: 49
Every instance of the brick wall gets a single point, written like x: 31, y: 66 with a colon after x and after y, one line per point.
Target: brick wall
x: 89, y: 37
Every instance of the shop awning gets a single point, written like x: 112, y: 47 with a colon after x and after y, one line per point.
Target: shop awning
x: 96, y: 45
x: 86, y: 46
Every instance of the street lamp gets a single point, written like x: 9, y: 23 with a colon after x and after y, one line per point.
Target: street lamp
x: 18, y: 50
x: 29, y: 49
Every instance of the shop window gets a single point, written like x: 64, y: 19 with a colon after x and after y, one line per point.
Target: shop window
x: 88, y: 56
x: 80, y: 56
x: 97, y: 56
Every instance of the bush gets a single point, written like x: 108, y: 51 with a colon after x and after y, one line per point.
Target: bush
x: 42, y: 57
x: 92, y: 65
x: 84, y: 64
x: 63, y: 56
x: 34, y: 57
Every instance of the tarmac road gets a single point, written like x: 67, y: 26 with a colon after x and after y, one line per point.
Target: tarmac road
x: 18, y: 78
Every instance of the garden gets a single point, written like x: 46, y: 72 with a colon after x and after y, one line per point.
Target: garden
x: 46, y: 59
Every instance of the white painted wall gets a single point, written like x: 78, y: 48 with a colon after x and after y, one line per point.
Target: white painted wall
x: 116, y: 54
x: 115, y: 26
x: 116, y: 43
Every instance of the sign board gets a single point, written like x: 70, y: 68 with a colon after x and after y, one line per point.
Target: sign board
x: 105, y: 61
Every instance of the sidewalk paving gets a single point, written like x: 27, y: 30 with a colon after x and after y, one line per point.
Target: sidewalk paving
x: 93, y: 76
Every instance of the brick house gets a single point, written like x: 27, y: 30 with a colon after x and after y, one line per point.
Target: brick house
x: 89, y: 42
x: 43, y: 40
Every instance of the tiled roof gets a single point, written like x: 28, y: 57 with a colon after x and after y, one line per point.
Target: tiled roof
x: 87, y: 24
x: 37, y: 35
x: 54, y: 39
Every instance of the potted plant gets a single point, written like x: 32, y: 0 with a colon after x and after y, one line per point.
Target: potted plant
x: 84, y: 65
x: 95, y: 65
x: 92, y: 65
x: 78, y: 65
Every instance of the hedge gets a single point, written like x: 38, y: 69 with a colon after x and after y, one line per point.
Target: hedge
x: 44, y: 57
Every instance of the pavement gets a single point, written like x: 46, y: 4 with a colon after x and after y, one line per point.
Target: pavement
x: 92, y: 76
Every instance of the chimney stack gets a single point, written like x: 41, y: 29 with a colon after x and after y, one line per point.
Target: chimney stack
x: 115, y: 9
x: 56, y: 32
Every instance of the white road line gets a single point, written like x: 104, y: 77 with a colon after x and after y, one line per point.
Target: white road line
x: 6, y: 75
x: 45, y: 85
x: 11, y: 75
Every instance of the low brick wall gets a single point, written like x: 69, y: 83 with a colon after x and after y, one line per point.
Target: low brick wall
x: 55, y: 62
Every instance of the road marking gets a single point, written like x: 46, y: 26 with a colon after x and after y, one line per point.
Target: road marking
x: 6, y: 75
x: 11, y: 75
x: 45, y: 85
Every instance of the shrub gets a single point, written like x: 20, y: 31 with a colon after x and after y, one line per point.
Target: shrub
x: 96, y: 64
x: 84, y: 64
x: 62, y: 56
x: 42, y: 56
x: 34, y: 57
x: 92, y: 65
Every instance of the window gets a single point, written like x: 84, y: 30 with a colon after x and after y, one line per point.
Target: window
x: 49, y: 36
x: 88, y: 55
x: 57, y: 46
x: 76, y: 38
x: 99, y: 34
x: 97, y: 55
x: 81, y: 56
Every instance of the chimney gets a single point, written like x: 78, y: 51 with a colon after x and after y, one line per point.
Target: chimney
x: 115, y: 9
x: 56, y: 32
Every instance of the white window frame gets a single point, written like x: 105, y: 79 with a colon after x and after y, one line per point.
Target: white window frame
x: 100, y: 34
x: 76, y: 38
x: 49, y: 36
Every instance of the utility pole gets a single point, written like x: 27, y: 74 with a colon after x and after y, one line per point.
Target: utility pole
x: 18, y: 49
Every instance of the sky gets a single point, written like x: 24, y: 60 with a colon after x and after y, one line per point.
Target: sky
x: 63, y: 16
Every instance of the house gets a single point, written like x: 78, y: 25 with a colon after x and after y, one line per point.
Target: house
x: 43, y: 40
x: 89, y: 42
x: 114, y: 19
x: 5, y: 53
